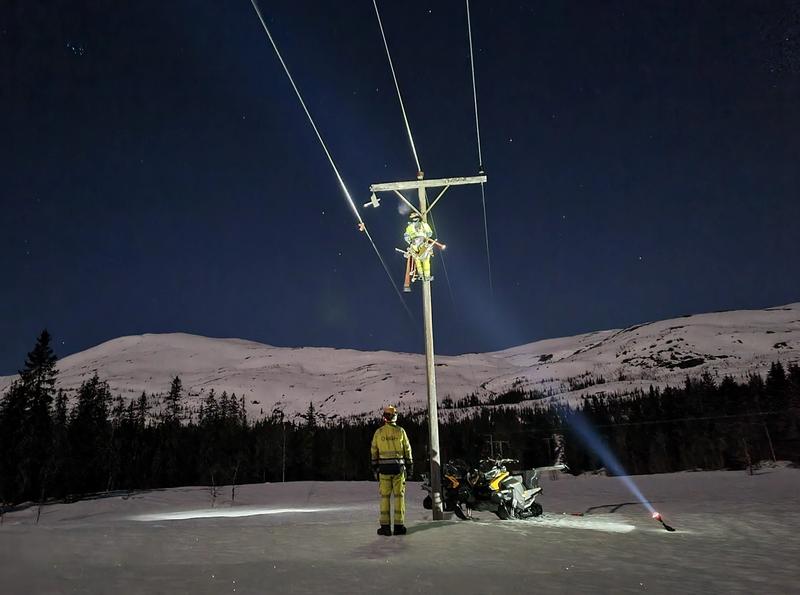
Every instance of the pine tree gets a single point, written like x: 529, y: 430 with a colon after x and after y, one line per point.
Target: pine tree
x: 777, y: 386
x: 224, y: 406
x: 210, y: 409
x: 310, y: 417
x: 37, y: 383
x: 13, y: 412
x: 90, y: 437
x: 60, y: 444
x: 794, y: 387
x: 39, y: 374
x: 172, y: 402
x: 142, y: 410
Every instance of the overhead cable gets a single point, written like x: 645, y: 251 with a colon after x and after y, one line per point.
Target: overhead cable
x: 397, y: 86
x: 362, y: 225
x: 480, y: 153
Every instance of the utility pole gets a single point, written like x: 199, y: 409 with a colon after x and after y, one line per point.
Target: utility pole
x: 420, y: 184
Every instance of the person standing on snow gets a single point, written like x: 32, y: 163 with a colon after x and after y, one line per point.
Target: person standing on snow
x: 392, y: 464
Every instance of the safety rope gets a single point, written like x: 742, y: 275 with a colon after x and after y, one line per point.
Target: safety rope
x: 480, y: 153
x: 397, y: 86
x: 362, y: 225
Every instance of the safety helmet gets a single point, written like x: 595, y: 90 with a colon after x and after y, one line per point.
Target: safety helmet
x: 390, y: 413
x: 415, y: 216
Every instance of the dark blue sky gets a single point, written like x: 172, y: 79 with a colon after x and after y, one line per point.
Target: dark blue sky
x: 157, y: 173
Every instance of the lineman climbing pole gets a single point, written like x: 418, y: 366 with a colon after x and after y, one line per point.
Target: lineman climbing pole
x: 421, y: 185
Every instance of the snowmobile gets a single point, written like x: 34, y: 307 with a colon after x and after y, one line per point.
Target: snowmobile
x: 489, y: 487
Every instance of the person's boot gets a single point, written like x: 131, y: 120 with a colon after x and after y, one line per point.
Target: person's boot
x: 386, y: 530
x: 399, y: 529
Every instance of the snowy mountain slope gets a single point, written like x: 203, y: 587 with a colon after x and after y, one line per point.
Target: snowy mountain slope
x: 732, y: 343
x: 344, y: 382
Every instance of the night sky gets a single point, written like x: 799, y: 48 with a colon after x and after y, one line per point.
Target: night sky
x: 157, y: 173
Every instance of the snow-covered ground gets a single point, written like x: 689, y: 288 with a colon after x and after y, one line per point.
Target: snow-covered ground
x: 342, y: 382
x: 736, y: 533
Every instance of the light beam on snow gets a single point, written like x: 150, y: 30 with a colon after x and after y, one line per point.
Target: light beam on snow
x: 581, y: 523
x: 593, y: 441
x: 210, y: 513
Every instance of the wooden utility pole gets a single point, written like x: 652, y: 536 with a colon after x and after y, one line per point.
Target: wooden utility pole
x: 421, y: 184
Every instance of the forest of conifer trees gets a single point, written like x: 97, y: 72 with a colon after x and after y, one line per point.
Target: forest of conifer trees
x: 53, y: 449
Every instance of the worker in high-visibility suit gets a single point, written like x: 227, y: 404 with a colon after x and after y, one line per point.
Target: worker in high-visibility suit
x: 392, y: 464
x: 418, y: 236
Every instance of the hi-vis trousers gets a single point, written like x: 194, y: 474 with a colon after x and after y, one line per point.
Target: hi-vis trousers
x: 388, y: 485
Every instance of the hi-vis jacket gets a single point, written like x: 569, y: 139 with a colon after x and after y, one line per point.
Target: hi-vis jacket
x: 417, y: 232
x: 390, y: 449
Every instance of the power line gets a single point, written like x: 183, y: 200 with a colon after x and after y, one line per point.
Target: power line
x: 663, y: 421
x: 362, y: 225
x: 678, y: 419
x: 397, y: 87
x: 480, y: 153
x: 474, y: 90
x: 444, y: 266
x: 486, y: 235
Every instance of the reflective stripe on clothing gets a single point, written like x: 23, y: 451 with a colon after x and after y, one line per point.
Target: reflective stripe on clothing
x: 389, y: 485
x: 390, y: 445
x: 417, y: 230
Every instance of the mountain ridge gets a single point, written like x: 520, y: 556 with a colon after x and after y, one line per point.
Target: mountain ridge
x: 347, y: 382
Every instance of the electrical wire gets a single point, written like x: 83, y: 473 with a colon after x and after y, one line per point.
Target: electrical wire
x: 362, y: 225
x: 480, y: 153
x: 397, y: 86
x: 444, y: 266
x: 486, y: 235
x: 474, y: 91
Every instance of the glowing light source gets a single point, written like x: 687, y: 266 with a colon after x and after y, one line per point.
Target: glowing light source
x: 593, y: 441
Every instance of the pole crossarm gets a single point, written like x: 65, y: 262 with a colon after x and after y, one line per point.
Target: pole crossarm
x: 418, y: 184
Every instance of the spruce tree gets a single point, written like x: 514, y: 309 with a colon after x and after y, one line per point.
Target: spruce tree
x: 172, y: 402
x: 90, y: 437
x: 39, y: 374
x: 210, y: 409
x: 142, y: 410
x: 13, y: 411
x: 37, y: 383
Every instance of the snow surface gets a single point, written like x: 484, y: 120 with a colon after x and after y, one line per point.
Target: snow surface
x: 736, y: 533
x: 343, y: 382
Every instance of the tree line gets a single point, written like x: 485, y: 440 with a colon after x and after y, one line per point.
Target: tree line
x: 100, y: 443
